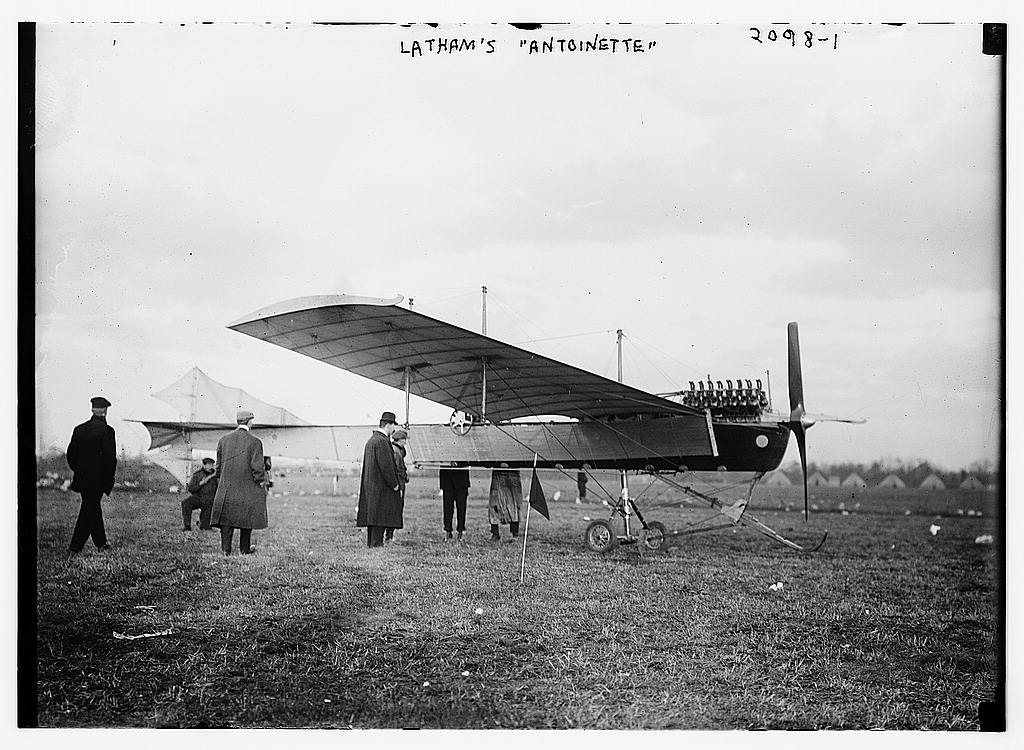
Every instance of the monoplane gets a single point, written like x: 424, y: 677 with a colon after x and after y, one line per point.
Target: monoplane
x: 517, y: 409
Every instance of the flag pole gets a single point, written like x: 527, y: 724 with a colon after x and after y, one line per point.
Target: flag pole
x: 526, y: 531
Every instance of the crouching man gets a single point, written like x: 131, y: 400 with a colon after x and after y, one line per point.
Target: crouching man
x: 202, y: 488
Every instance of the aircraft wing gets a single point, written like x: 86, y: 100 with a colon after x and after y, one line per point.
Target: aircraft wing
x: 375, y: 338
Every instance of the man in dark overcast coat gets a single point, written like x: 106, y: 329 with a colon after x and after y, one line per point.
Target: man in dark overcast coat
x: 379, y: 484
x: 241, y: 499
x: 92, y: 456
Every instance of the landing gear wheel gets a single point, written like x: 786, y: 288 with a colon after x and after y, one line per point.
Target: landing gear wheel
x: 600, y: 536
x: 655, y: 535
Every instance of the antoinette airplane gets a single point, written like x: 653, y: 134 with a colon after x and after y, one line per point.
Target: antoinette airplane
x: 500, y: 396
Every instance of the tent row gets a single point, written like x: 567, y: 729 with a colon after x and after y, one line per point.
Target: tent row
x: 817, y: 479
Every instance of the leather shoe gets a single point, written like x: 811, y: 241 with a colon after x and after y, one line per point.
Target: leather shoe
x: 250, y: 550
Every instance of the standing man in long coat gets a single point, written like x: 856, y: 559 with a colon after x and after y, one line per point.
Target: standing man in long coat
x: 92, y: 456
x: 379, y: 499
x: 241, y: 499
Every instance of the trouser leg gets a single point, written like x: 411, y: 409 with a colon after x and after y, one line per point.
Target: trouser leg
x: 494, y: 531
x: 375, y: 536
x: 99, y: 532
x: 84, y: 524
x: 186, y: 513
x: 460, y: 504
x: 448, y: 504
x: 226, y: 532
x: 205, y: 510
x: 514, y: 528
x: 389, y: 533
x: 244, y: 540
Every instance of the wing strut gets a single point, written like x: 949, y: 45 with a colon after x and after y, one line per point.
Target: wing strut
x: 408, y: 387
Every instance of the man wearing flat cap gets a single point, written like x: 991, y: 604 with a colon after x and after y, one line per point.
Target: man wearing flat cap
x: 379, y: 485
x: 92, y: 456
x: 241, y: 499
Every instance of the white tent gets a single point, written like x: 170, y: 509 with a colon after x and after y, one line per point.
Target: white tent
x: 932, y: 482
x: 817, y: 479
x: 893, y: 482
x: 833, y: 481
x: 971, y: 483
x: 776, y: 479
x: 854, y: 480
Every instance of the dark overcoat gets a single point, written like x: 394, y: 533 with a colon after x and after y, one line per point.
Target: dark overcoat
x: 241, y: 499
x: 453, y: 480
x: 92, y: 455
x: 379, y: 501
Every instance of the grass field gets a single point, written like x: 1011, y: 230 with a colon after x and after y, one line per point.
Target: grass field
x: 887, y: 626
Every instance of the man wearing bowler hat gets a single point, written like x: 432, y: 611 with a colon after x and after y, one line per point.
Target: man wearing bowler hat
x: 92, y: 456
x: 379, y: 484
x: 241, y: 499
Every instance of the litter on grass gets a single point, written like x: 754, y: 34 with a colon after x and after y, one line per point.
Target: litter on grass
x: 983, y: 539
x: 122, y: 636
x: 776, y: 586
x: 479, y: 610
x: 934, y: 528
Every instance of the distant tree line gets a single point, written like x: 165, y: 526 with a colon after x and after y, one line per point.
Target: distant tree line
x: 912, y: 472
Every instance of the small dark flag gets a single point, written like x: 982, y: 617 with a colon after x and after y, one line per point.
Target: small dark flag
x: 537, y: 501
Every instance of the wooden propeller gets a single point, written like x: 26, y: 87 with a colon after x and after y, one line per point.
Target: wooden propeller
x: 797, y: 423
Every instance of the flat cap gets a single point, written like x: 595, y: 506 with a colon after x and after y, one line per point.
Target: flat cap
x: 399, y: 434
x: 243, y: 415
x: 388, y: 416
x: 98, y: 401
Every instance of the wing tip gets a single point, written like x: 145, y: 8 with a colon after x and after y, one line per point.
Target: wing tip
x: 299, y: 304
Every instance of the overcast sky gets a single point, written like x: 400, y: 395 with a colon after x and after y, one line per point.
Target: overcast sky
x: 699, y: 195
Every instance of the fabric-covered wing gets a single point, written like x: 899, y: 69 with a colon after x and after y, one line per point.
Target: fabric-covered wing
x: 199, y: 398
x: 377, y: 339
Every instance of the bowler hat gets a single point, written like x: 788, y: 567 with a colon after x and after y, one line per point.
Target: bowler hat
x: 388, y: 417
x: 98, y: 401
